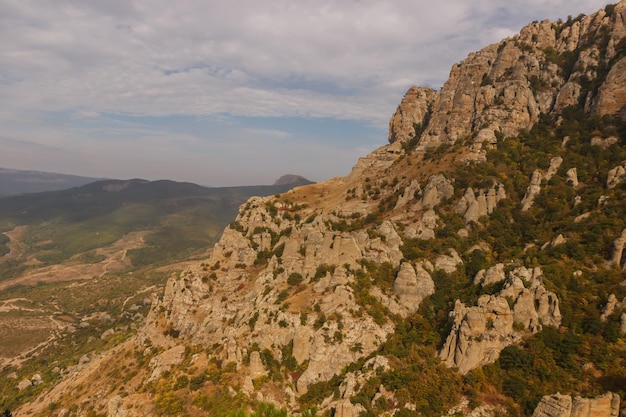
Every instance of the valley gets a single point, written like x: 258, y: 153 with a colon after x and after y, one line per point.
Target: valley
x: 66, y: 280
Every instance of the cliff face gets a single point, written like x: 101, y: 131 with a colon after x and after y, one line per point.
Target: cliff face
x: 376, y: 292
x: 507, y: 86
x: 291, y: 270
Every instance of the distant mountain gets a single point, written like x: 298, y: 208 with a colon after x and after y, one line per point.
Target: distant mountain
x: 13, y: 181
x: 184, y: 218
x: 293, y: 180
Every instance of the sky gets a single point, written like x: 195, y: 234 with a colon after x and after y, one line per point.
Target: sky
x: 223, y: 93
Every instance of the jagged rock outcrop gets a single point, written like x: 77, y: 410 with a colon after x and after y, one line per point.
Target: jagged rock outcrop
x: 424, y: 228
x: 485, y: 139
x: 618, y: 249
x: 436, y: 190
x: 615, y: 176
x: 244, y: 309
x: 412, y: 285
x: 506, y: 86
x: 490, y: 276
x: 558, y: 405
x: 449, y: 261
x: 408, y: 194
x: 558, y: 240
x: 572, y: 177
x: 165, y: 361
x: 480, y: 332
x: 474, y: 205
x: 535, y: 182
x: 414, y: 109
x: 611, y: 304
x: 257, y: 369
x: 350, y: 385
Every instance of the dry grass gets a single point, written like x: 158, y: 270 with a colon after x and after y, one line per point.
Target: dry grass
x: 115, y: 261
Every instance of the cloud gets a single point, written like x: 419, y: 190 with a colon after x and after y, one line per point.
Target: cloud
x: 214, y: 57
x: 96, y: 61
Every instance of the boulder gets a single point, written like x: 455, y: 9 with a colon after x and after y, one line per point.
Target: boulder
x: 25, y: 383
x: 449, y: 262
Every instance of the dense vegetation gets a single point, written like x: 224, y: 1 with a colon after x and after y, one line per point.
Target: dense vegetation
x: 585, y: 356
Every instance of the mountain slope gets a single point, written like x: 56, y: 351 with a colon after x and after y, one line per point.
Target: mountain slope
x: 472, y: 266
x: 182, y: 217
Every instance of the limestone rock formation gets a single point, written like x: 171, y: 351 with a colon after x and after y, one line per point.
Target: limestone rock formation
x: 611, y: 304
x: 535, y: 182
x: 423, y: 228
x: 414, y: 109
x: 485, y: 139
x: 480, y: 332
x: 412, y: 285
x: 572, y: 177
x: 256, y: 365
x: 618, y: 249
x: 436, y: 190
x: 449, y: 261
x: 506, y: 86
x: 558, y: 405
x: 493, y: 275
x: 472, y: 206
x: 616, y: 176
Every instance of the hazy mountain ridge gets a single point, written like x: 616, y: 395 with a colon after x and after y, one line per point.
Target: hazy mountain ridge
x: 111, y: 208
x: 13, y: 181
x: 473, y: 266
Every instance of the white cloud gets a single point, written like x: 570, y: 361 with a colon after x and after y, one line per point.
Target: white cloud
x: 342, y: 59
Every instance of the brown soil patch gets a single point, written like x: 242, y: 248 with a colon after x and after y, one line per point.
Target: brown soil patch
x: 16, y: 249
x: 116, y: 261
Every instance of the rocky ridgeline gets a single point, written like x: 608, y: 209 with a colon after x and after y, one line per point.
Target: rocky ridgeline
x: 505, y: 87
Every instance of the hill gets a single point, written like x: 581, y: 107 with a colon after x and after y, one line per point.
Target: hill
x: 13, y: 181
x: 472, y: 266
x: 183, y: 218
x: 115, y: 238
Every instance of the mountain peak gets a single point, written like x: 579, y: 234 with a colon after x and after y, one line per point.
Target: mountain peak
x: 291, y: 179
x: 506, y: 87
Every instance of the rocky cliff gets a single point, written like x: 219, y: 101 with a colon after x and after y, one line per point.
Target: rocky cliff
x: 466, y: 267
x: 507, y: 86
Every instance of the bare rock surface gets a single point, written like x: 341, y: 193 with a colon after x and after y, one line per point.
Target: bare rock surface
x: 558, y: 405
x: 480, y: 332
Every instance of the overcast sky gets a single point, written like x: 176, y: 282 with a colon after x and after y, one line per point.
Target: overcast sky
x: 227, y: 92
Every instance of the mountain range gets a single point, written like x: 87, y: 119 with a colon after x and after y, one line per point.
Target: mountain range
x: 14, y: 181
x: 473, y: 266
